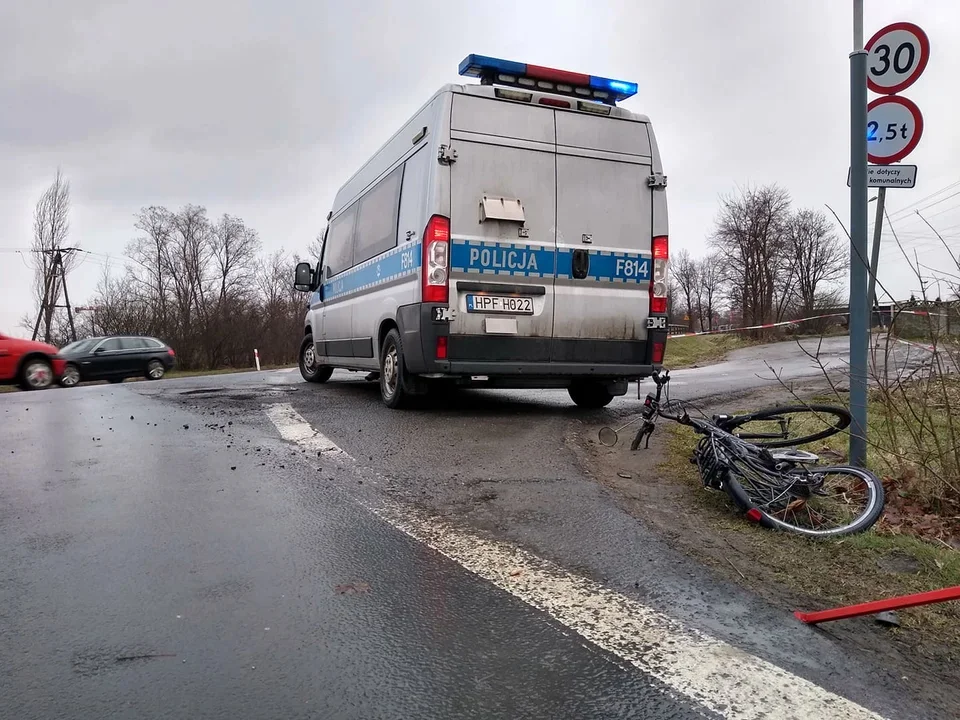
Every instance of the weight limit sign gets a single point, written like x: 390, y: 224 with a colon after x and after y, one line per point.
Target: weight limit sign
x: 894, y: 127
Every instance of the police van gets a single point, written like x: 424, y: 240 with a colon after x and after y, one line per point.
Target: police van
x: 512, y: 234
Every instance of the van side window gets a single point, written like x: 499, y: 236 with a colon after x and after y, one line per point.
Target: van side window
x: 338, y: 254
x: 379, y: 208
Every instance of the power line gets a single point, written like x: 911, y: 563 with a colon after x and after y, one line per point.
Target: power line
x: 907, y: 208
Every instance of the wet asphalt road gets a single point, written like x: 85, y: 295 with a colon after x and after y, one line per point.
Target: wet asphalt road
x: 164, y: 554
x: 124, y: 535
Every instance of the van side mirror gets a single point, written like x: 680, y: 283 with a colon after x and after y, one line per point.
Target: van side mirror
x: 303, y: 278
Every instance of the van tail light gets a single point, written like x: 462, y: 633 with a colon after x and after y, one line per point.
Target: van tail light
x: 436, y: 260
x: 442, y: 347
x: 658, y: 282
x: 658, y: 348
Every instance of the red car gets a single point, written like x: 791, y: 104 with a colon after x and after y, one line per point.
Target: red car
x: 29, y: 364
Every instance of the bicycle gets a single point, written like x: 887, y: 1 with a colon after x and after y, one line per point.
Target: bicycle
x: 774, y: 484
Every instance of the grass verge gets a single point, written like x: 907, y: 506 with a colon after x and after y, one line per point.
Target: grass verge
x: 912, y: 440
x: 684, y: 352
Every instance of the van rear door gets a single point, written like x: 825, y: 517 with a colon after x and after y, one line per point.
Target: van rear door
x: 503, y: 209
x: 604, y: 239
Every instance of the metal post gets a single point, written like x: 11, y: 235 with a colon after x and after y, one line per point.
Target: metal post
x: 875, y: 250
x: 859, y: 313
x: 47, y: 276
x: 66, y: 300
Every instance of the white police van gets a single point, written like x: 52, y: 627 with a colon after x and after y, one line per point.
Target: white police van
x: 511, y: 234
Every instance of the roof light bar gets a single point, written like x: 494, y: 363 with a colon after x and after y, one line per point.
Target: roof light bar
x: 506, y: 72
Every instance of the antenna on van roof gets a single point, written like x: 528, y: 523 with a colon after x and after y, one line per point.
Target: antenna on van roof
x: 494, y: 71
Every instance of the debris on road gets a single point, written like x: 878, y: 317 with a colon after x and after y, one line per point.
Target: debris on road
x: 888, y: 617
x: 353, y: 588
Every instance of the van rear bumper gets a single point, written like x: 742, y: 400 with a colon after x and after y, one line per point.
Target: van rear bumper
x: 505, y: 355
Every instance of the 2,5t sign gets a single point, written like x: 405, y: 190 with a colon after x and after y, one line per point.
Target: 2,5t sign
x: 894, y: 127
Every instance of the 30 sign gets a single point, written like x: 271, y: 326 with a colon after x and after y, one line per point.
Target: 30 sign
x: 898, y: 55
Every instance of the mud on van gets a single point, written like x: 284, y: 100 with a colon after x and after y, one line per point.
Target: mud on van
x: 512, y: 234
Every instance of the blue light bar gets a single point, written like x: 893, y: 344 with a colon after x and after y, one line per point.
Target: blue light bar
x: 563, y: 82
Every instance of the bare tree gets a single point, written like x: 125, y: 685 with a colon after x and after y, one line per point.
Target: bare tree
x: 314, y: 249
x: 51, y: 226
x: 234, y: 248
x: 150, y: 251
x: 686, y: 273
x: 817, y: 257
x: 204, y: 288
x: 750, y: 233
x: 710, y: 281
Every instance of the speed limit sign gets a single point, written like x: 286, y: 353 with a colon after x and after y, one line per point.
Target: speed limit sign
x: 897, y: 56
x: 894, y: 127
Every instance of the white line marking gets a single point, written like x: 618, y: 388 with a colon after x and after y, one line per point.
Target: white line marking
x: 718, y: 676
x: 295, y: 429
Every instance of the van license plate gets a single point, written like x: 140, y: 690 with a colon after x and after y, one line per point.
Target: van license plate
x: 499, y: 304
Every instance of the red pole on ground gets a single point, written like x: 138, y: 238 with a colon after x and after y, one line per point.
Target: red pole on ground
x: 872, y: 608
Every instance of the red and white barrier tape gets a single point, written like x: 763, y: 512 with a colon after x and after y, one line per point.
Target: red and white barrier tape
x: 767, y: 326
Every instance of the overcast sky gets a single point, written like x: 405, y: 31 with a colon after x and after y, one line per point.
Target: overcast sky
x: 262, y: 109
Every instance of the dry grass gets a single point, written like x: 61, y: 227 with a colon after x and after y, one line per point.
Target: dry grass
x: 913, y: 438
x: 683, y: 352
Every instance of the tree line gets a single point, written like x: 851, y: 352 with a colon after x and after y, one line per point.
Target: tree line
x: 205, y: 286
x: 765, y: 262
x: 201, y: 284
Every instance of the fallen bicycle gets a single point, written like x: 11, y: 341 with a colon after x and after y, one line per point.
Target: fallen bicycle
x: 773, y: 483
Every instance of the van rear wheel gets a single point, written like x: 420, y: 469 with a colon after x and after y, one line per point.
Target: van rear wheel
x: 392, y: 372
x: 590, y: 394
x: 309, y: 369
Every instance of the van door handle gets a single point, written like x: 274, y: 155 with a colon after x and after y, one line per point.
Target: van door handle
x: 411, y: 234
x: 581, y: 263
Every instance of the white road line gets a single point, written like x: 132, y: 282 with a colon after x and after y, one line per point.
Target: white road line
x: 295, y: 429
x: 718, y: 676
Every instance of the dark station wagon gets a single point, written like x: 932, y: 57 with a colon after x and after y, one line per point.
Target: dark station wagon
x: 115, y: 358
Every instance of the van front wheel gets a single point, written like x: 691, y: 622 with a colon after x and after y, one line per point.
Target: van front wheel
x: 309, y: 369
x: 392, y: 372
x: 590, y: 394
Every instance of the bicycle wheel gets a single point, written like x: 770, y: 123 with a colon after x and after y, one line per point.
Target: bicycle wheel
x: 818, y: 502
x: 775, y: 424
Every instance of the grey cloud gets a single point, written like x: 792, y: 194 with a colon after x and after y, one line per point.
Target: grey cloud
x: 262, y: 109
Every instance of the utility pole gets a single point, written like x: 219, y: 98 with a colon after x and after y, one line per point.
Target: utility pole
x: 875, y: 250
x: 47, y: 305
x: 48, y: 277
x: 66, y: 298
x: 859, y: 312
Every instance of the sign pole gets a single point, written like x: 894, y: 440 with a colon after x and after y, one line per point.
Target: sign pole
x: 875, y: 250
x: 859, y: 313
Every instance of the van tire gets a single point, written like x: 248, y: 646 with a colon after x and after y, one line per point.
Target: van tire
x: 589, y: 394
x: 309, y: 370
x: 393, y: 373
